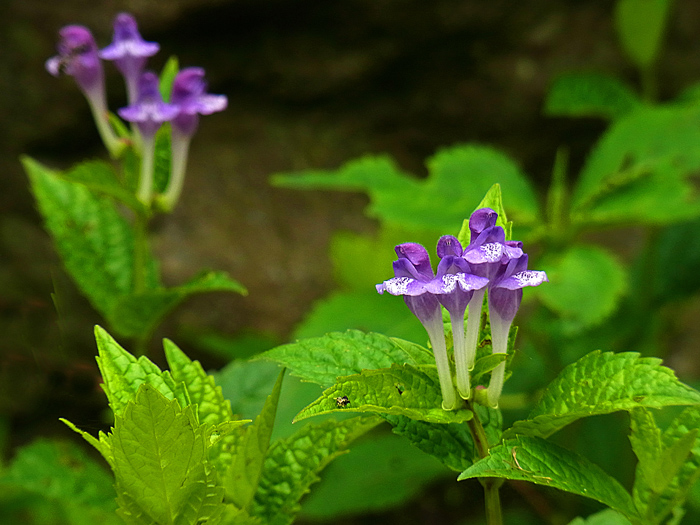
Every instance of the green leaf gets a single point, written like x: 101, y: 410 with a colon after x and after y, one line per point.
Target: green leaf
x: 641, y: 25
x: 538, y: 461
x: 590, y: 274
x: 138, y: 314
x: 99, y: 176
x: 379, y: 474
x: 242, y: 478
x: 322, y: 359
x: 402, y: 390
x: 161, y: 160
x: 452, y: 444
x: 61, y: 476
x: 160, y: 463
x: 601, y: 383
x: 484, y: 366
x: 167, y: 77
x: 665, y: 477
x: 101, y: 443
x: 645, y: 438
x: 123, y: 374
x: 494, y: 200
x: 604, y: 517
x: 94, y: 241
x: 212, y: 408
x: 590, y: 95
x: 641, y: 169
x: 293, y: 465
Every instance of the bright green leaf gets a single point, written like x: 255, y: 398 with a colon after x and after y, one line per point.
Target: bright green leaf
x: 293, y: 465
x: 590, y: 95
x: 640, y: 26
x: 604, y: 517
x: 99, y: 176
x: 402, y: 390
x: 123, y: 374
x: 645, y: 438
x: 167, y: 77
x: 101, y: 443
x: 160, y: 462
x: 242, y: 477
x: 138, y: 314
x: 322, y: 359
x: 212, y: 408
x: 592, y: 276
x: 494, y: 200
x: 544, y: 463
x: 601, y: 383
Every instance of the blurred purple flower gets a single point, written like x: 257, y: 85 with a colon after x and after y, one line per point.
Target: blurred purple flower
x: 129, y: 51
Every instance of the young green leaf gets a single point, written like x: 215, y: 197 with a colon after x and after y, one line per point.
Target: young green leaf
x: 160, y: 463
x: 138, y: 314
x: 293, y: 465
x: 322, y: 359
x: 101, y: 443
x: 212, y: 408
x: 494, y: 200
x: 167, y: 77
x: 94, y: 241
x: 601, y: 383
x: 544, y: 463
x: 242, y: 477
x: 400, y: 390
x: 60, y: 479
x: 123, y: 374
x: 590, y: 95
x: 640, y: 26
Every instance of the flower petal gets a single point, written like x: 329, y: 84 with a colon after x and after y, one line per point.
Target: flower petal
x: 522, y: 279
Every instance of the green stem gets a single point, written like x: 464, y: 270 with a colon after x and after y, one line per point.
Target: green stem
x: 491, y: 485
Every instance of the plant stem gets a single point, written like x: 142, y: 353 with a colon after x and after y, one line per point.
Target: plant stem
x: 138, y: 282
x: 491, y: 485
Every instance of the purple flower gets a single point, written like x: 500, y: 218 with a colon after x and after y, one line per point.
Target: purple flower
x: 190, y: 96
x: 413, y: 276
x: 129, y: 52
x: 148, y: 113
x: 78, y: 57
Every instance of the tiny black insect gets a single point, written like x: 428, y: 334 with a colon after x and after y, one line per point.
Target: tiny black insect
x: 342, y: 402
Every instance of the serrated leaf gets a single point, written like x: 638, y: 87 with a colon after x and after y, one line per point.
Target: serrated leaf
x: 212, y: 408
x: 601, y: 383
x: 101, y: 443
x: 242, y: 478
x: 590, y: 274
x: 677, y: 467
x: 322, y: 359
x: 160, y: 462
x: 123, y: 374
x: 451, y: 444
x: 59, y: 474
x: 400, y: 390
x: 640, y: 26
x: 640, y: 170
x: 590, y: 95
x: 94, y: 241
x: 544, y: 463
x: 99, y: 176
x: 138, y: 314
x: 293, y: 465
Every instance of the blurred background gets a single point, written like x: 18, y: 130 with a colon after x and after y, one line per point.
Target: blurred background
x: 310, y: 84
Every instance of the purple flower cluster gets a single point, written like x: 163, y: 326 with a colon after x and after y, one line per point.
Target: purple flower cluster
x: 463, y: 276
x: 79, y: 57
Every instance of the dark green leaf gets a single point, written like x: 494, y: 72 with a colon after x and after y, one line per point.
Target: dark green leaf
x: 601, y: 383
x: 322, y: 359
x: 400, y: 390
x: 590, y: 95
x: 293, y: 465
x: 541, y: 462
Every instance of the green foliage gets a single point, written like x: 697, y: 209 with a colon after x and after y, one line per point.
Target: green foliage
x: 322, y: 359
x: 591, y: 275
x: 590, y: 95
x: 601, y: 383
x: 641, y: 25
x: 402, y: 390
x: 59, y: 481
x: 604, y: 517
x: 538, y: 461
x: 292, y: 465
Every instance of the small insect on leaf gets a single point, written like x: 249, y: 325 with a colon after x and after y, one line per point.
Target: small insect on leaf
x: 342, y: 402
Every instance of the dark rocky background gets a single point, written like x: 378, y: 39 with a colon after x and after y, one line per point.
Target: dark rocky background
x: 311, y: 83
